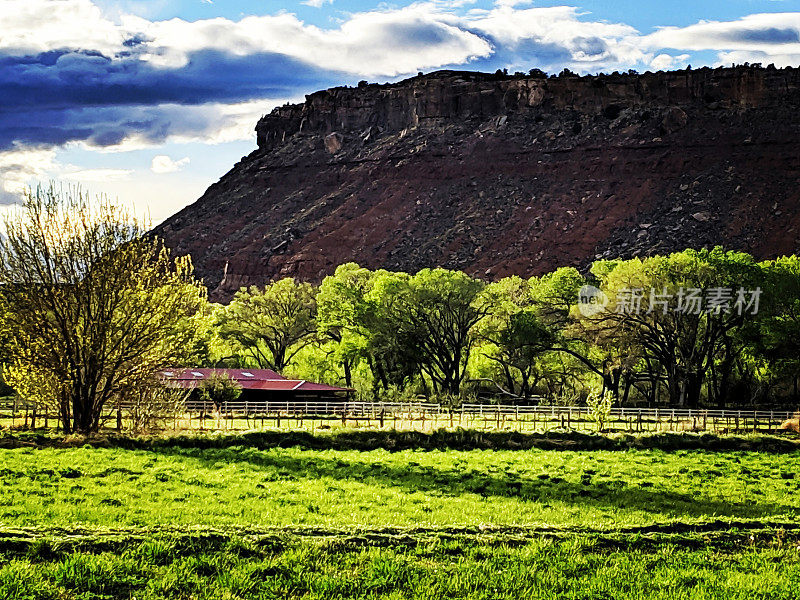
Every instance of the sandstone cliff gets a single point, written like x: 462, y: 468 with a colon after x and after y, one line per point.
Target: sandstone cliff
x: 497, y: 174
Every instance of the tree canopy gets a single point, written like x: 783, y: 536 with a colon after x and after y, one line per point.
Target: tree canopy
x: 95, y: 306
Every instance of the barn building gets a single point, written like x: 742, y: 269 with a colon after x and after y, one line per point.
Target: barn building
x: 259, y: 385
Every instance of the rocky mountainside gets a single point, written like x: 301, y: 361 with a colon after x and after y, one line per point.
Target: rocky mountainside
x: 495, y: 175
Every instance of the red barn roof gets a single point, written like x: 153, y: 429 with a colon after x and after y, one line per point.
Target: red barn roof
x: 240, y: 375
x: 248, y: 379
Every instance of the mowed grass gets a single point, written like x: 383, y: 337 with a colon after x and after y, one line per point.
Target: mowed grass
x: 539, y: 570
x: 280, y: 487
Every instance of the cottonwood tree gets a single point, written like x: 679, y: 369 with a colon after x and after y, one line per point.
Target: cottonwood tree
x: 343, y: 317
x: 515, y: 334
x: 684, y: 338
x: 355, y: 307
x: 271, y: 325
x: 219, y: 390
x: 774, y: 339
x: 96, y: 306
x: 432, y: 316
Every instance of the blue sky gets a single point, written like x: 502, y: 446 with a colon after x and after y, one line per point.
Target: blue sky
x: 151, y: 101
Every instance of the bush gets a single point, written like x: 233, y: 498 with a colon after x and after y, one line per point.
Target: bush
x: 219, y: 389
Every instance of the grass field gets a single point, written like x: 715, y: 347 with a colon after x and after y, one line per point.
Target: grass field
x: 237, y: 521
x: 540, y: 569
x: 240, y: 486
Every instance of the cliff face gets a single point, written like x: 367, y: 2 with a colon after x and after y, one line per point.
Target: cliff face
x: 497, y: 175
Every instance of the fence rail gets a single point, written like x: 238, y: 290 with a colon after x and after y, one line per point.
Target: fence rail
x: 314, y: 408
x: 623, y: 412
x: 246, y: 415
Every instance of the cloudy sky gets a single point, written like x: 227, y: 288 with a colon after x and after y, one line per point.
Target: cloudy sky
x: 151, y: 101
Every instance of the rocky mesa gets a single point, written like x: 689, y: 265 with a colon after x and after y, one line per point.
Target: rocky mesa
x: 500, y: 174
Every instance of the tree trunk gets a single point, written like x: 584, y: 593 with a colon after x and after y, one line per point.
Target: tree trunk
x: 627, y: 391
x: 451, y: 386
x: 611, y: 379
x: 348, y: 375
x: 690, y: 387
x: 510, y: 384
x: 525, y: 387
x: 66, y: 420
x: 674, y: 386
x: 85, y: 418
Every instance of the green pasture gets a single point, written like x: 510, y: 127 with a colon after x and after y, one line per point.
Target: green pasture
x: 218, y: 518
x: 278, y: 487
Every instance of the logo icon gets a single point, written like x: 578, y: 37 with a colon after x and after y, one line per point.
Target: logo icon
x: 591, y: 301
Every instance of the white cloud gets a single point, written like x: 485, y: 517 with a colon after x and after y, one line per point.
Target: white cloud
x: 391, y: 41
x: 760, y: 38
x: 513, y: 2
x: 767, y: 32
x: 372, y: 43
x: 164, y: 164
x: 398, y: 41
x: 29, y: 26
x: 738, y: 57
x: 664, y: 62
x: 98, y: 175
x: 23, y: 168
x: 317, y: 3
x: 585, y: 45
x: 384, y: 43
x: 212, y: 123
x: 388, y: 42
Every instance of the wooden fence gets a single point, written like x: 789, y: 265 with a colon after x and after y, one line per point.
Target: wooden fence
x: 422, y: 415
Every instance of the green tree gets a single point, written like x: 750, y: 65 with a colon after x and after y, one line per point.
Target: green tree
x: 219, y: 390
x: 685, y: 339
x: 271, y: 325
x: 96, y: 307
x: 774, y: 339
x: 516, y: 334
x: 600, y: 405
x: 432, y: 316
x: 344, y: 316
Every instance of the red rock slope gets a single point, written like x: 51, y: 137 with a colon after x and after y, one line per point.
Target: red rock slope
x: 497, y: 175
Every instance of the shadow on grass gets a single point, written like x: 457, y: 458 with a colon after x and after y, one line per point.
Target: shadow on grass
x: 452, y: 482
x: 442, y: 439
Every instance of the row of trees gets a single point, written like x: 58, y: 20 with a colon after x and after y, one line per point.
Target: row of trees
x: 93, y: 308
x: 696, y: 327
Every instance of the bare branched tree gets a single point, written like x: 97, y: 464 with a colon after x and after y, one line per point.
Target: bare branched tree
x: 96, y: 306
x: 153, y: 407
